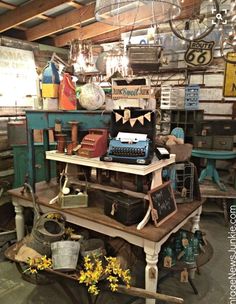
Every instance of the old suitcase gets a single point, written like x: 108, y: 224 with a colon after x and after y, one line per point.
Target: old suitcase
x: 202, y: 142
x: 223, y: 142
x: 124, y: 208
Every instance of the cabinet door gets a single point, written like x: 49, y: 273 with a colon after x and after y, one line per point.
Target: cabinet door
x: 20, y: 155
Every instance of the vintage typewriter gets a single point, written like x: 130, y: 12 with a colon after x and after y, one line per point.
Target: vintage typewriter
x: 131, y: 148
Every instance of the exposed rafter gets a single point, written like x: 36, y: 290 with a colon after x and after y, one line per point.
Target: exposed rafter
x: 27, y: 12
x: 114, y: 35
x: 64, y: 21
x: 96, y: 29
x: 84, y: 33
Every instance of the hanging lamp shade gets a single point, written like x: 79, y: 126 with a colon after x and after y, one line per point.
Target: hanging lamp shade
x: 131, y: 12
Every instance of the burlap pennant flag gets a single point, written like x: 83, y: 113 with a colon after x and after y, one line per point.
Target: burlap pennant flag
x: 141, y: 119
x: 132, y: 121
x: 118, y: 117
x: 148, y: 116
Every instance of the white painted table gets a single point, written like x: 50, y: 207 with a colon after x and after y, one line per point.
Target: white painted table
x: 155, y: 167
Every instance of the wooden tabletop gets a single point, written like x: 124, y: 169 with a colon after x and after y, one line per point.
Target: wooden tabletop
x: 46, y: 191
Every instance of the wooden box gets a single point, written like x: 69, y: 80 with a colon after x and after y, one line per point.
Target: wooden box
x: 223, y: 142
x: 202, y: 142
x: 124, y: 208
x: 73, y: 201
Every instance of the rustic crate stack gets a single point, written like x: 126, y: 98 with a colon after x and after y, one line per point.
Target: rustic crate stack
x: 215, y: 134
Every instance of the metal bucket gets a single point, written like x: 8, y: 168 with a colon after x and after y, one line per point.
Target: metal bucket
x: 65, y: 255
x: 93, y: 248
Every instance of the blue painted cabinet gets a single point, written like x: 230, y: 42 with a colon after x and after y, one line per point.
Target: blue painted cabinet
x: 20, y: 156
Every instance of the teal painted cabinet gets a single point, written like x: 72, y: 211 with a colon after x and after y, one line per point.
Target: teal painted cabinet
x: 20, y: 156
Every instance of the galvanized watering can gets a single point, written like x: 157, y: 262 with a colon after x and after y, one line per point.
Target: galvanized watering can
x: 47, y: 228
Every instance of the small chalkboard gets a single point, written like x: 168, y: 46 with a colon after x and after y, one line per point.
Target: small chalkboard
x: 162, y: 202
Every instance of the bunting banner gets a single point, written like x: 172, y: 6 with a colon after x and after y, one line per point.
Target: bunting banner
x: 118, y: 117
x: 126, y: 118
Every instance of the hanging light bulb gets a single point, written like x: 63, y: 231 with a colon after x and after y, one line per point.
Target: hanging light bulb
x: 133, y: 12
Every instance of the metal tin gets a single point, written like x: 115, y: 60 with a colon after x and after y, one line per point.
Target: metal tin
x: 17, y: 134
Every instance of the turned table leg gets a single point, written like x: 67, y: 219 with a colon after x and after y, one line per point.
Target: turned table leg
x: 151, y: 271
x: 19, y: 220
x: 196, y: 220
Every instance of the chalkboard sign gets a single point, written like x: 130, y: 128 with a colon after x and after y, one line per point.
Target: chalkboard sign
x: 162, y: 202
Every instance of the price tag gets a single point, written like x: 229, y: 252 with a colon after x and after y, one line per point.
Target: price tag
x: 199, y: 53
x: 167, y: 262
x: 184, y: 276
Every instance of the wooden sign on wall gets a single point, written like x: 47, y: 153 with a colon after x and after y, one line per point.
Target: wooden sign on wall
x: 230, y: 77
x: 133, y: 91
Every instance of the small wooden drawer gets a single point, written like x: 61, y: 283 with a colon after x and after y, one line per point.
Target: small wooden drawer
x: 223, y: 142
x: 202, y: 142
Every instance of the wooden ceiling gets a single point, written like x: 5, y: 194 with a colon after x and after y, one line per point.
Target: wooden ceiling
x: 55, y: 22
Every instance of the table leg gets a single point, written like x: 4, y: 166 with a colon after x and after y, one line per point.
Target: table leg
x: 151, y: 271
x: 19, y: 220
x: 211, y: 171
x: 196, y: 220
x: 156, y: 181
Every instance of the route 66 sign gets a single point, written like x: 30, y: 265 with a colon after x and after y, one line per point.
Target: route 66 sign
x: 199, y: 53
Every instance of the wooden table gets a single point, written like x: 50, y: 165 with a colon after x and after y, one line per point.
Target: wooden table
x: 149, y: 238
x: 211, y: 156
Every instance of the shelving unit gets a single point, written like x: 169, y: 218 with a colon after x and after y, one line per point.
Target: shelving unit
x: 185, y: 119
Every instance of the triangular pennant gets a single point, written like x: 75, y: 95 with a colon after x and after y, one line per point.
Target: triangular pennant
x: 132, y: 121
x: 124, y: 120
x: 118, y: 116
x: 141, y: 119
x: 148, y: 116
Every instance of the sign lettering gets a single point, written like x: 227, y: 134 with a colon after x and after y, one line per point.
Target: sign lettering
x: 199, y: 53
x: 131, y: 92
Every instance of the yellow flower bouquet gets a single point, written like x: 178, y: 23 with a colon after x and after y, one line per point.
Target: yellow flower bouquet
x: 94, y: 271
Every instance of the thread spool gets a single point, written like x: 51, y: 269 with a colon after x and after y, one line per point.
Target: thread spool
x: 74, y: 132
x: 61, y: 142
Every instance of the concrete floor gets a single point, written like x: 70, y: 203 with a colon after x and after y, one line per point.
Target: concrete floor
x: 212, y: 283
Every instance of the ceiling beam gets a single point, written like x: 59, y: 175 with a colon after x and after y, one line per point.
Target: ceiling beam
x: 4, y: 4
x: 61, y: 22
x: 98, y: 28
x: 27, y: 12
x: 84, y: 33
x: 116, y: 34
x: 74, y: 4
